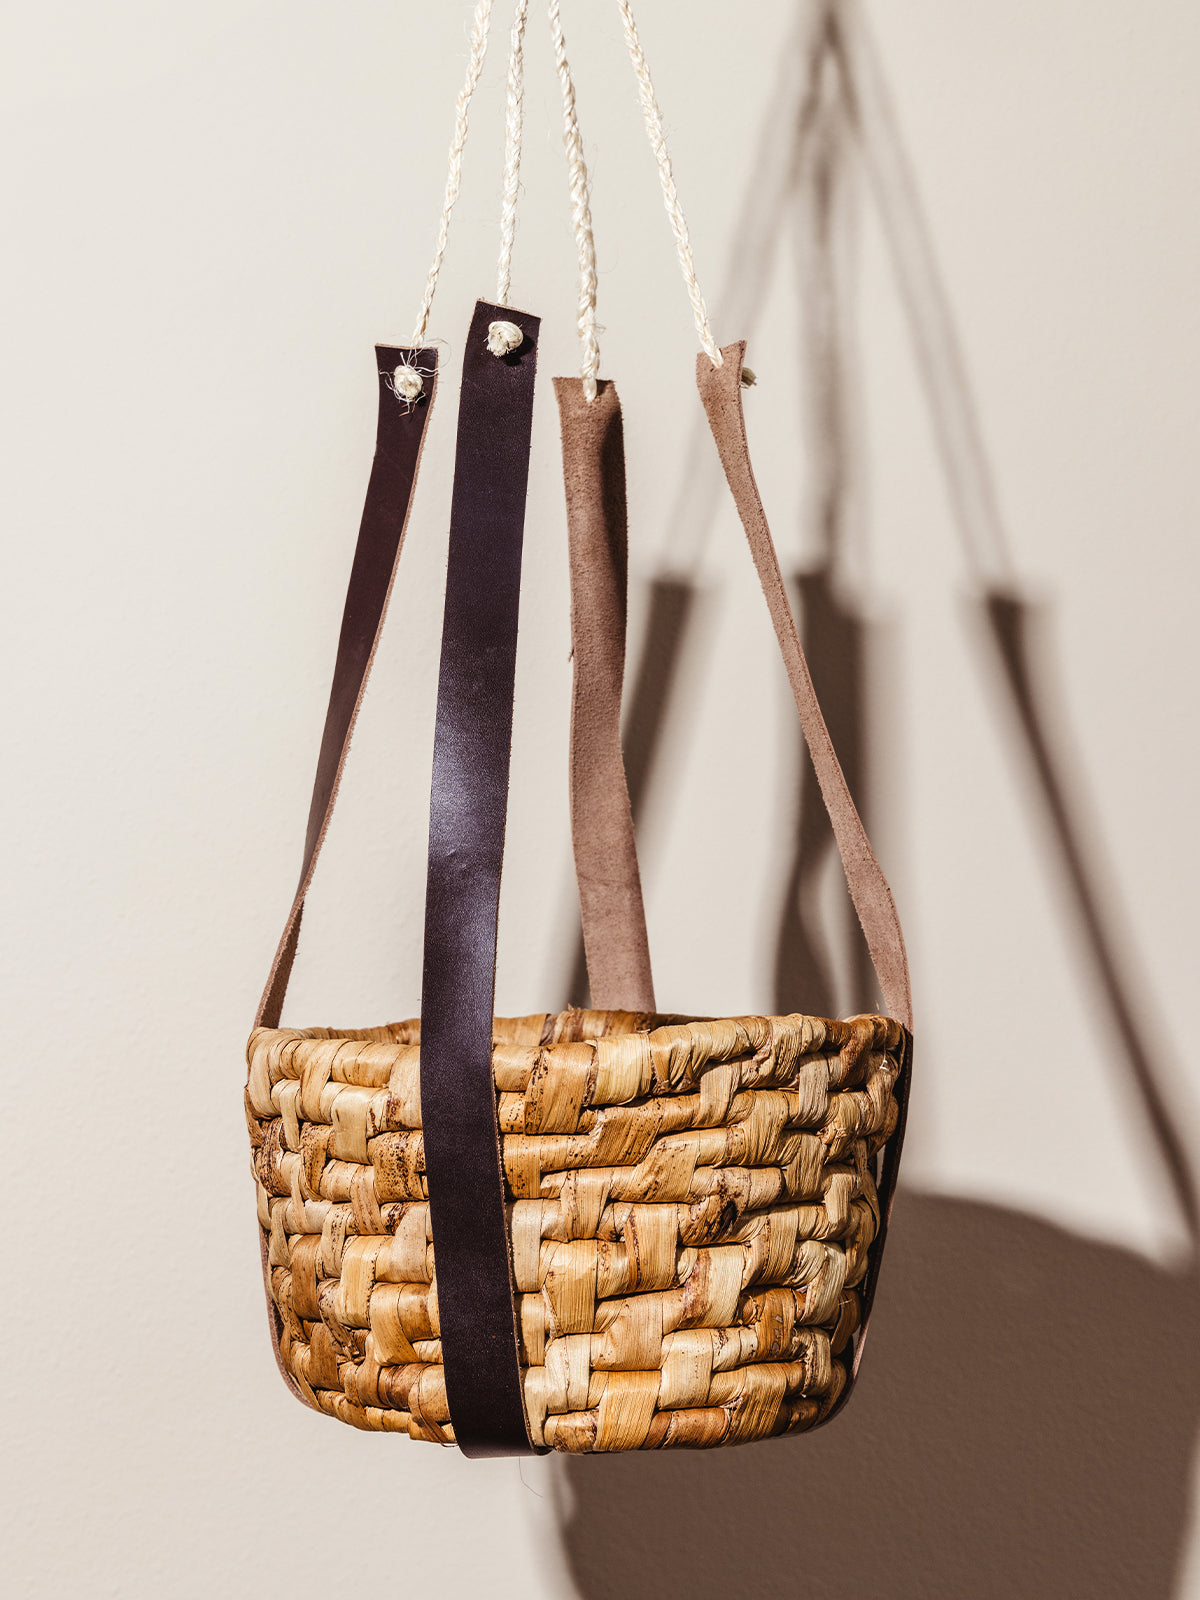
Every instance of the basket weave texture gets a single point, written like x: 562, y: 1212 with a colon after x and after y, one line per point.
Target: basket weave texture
x: 691, y: 1209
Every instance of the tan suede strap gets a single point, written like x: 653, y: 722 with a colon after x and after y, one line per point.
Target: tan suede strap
x: 721, y: 391
x: 606, y: 864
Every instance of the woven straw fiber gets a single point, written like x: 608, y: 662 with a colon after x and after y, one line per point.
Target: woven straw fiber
x: 691, y: 1208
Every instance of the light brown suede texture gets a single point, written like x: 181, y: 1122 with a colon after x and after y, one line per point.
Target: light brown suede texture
x: 721, y: 391
x: 606, y: 865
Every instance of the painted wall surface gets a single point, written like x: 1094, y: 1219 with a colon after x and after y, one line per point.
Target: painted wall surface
x: 964, y: 243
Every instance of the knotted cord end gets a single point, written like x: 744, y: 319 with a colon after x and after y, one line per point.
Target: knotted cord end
x: 504, y: 337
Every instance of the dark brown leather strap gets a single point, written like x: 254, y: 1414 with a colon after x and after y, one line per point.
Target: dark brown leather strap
x: 472, y: 744
x: 606, y: 864
x: 399, y: 440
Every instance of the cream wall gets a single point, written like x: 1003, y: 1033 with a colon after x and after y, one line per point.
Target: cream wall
x: 212, y: 213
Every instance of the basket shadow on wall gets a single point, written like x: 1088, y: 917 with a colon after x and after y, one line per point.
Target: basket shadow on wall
x: 1026, y: 1420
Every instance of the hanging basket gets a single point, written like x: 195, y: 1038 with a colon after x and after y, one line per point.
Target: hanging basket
x: 602, y: 1229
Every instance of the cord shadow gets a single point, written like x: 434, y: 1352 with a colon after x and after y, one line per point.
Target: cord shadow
x: 1017, y: 632
x: 821, y: 960
x: 822, y: 965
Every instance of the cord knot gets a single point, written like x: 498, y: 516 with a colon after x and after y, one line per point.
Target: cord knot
x: 504, y: 337
x: 407, y: 382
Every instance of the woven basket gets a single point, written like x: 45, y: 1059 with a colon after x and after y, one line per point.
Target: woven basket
x: 692, y: 1210
x: 683, y: 1218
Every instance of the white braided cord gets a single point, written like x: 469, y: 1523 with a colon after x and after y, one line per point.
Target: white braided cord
x: 514, y: 123
x: 577, y: 169
x: 658, y: 143
x: 478, y: 49
x: 581, y: 210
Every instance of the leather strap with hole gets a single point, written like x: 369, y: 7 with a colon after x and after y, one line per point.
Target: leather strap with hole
x: 399, y: 442
x: 721, y: 392
x: 602, y: 836
x: 468, y: 810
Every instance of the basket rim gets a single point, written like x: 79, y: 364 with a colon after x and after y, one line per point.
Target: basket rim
x: 645, y: 1023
